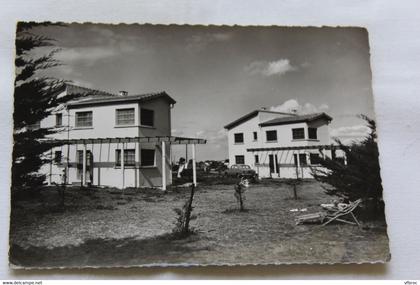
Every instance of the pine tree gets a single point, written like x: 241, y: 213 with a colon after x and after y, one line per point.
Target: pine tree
x: 360, y: 177
x: 35, y: 97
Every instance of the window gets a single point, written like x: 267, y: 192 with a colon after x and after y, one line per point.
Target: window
x: 302, y: 159
x: 147, y: 157
x: 271, y: 135
x: 312, y: 133
x: 124, y: 117
x: 83, y: 119
x: 57, y: 156
x: 239, y: 159
x: 129, y: 157
x: 147, y: 117
x: 255, y: 136
x: 314, y: 157
x: 239, y: 138
x: 298, y: 133
x: 257, y: 159
x: 58, y: 120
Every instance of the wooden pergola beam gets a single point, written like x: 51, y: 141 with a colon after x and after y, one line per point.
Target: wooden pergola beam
x: 320, y: 147
x: 167, y: 139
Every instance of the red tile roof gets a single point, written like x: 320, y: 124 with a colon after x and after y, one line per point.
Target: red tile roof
x: 296, y: 119
x: 74, y: 89
x: 250, y: 116
x: 98, y: 97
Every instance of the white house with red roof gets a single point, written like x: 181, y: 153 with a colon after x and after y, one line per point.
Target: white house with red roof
x: 278, y: 144
x: 116, y: 140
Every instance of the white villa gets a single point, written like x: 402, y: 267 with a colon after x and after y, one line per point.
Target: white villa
x: 116, y: 140
x: 280, y: 145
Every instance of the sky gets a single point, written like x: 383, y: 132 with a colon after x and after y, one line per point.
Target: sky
x: 219, y: 73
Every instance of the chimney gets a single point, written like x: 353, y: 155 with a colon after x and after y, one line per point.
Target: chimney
x: 264, y: 108
x: 122, y: 93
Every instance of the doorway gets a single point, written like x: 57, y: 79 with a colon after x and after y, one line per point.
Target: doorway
x: 89, y: 166
x: 273, y: 164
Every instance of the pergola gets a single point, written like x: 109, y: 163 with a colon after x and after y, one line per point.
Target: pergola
x: 297, y: 149
x: 171, y: 140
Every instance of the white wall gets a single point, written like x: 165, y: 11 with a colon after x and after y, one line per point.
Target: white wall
x: 247, y: 128
x: 103, y: 120
x: 105, y: 172
x: 284, y: 139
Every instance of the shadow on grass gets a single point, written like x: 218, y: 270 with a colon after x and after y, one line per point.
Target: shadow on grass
x: 164, y: 249
x: 237, y: 211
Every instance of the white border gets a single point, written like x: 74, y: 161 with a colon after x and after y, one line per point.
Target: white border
x: 394, y: 30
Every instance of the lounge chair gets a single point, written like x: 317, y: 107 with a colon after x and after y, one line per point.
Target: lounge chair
x: 318, y: 217
x: 346, y: 211
x: 337, y: 215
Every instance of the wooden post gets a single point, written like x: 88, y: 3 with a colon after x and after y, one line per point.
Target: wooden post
x: 186, y: 153
x: 99, y: 164
x: 170, y: 163
x: 51, y: 162
x: 122, y: 166
x: 298, y: 164
x: 68, y: 149
x: 163, y: 166
x: 138, y: 167
x: 258, y: 165
x: 84, y: 166
x: 193, y: 165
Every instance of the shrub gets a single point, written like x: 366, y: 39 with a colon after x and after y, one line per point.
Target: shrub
x: 360, y: 177
x: 184, y: 216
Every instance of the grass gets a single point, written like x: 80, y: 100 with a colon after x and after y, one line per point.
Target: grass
x: 102, y: 227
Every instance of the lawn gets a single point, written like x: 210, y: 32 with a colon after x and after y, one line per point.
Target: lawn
x: 103, y: 227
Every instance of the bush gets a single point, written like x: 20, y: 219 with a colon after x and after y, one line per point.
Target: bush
x: 360, y: 177
x: 184, y: 216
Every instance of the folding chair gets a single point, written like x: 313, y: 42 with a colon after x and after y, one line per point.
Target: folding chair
x: 318, y: 217
x: 340, y: 214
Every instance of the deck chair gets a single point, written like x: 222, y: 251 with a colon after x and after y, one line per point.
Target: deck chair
x: 340, y: 214
x: 318, y: 217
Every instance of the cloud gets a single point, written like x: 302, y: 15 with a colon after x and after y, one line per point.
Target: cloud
x: 101, y: 43
x: 199, y: 42
x: 305, y: 64
x: 215, y: 148
x: 220, y: 37
x: 102, y: 31
x: 212, y: 136
x: 270, y: 68
x: 177, y: 133
x: 81, y: 82
x: 293, y: 105
x: 323, y: 107
x: 86, y: 54
x: 349, y: 134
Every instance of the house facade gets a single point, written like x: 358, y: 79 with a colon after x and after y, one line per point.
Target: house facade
x: 116, y: 140
x: 280, y: 145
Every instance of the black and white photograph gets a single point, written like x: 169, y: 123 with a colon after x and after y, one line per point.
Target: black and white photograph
x: 186, y: 145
